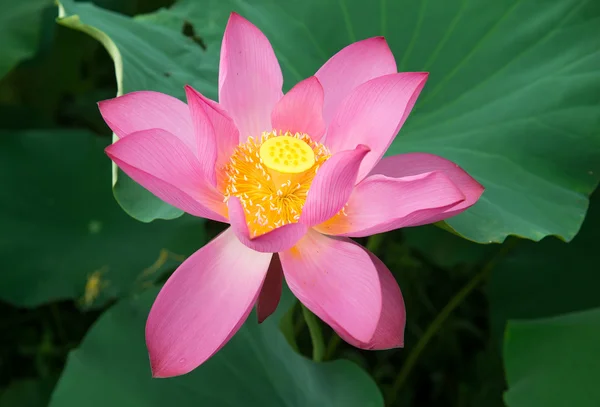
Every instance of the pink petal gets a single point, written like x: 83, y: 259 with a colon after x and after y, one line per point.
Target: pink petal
x: 338, y: 281
x: 390, y: 326
x: 279, y: 239
x: 163, y: 164
x: 250, y: 78
x: 417, y: 163
x: 332, y: 186
x: 271, y: 290
x: 352, y: 66
x: 372, y: 114
x: 202, y: 304
x: 227, y: 135
x: 205, y: 135
x: 301, y: 110
x: 379, y: 204
x: 137, y: 111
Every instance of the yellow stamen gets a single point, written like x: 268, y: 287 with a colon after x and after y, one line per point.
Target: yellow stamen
x: 272, y: 193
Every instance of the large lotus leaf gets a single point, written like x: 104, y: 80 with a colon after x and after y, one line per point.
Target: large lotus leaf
x: 445, y: 249
x: 256, y: 368
x: 548, y: 278
x: 63, y: 235
x: 20, y: 28
x: 512, y: 95
x: 554, y: 362
x: 27, y: 393
x: 149, y: 53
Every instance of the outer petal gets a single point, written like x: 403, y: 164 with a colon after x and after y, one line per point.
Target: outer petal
x: 332, y: 186
x: 226, y: 134
x: 202, y: 304
x: 338, y: 281
x: 271, y: 290
x: 277, y: 240
x: 352, y: 66
x: 379, y: 204
x: 392, y: 320
x: 373, y: 113
x: 137, y: 111
x: 163, y: 164
x: 250, y: 78
x: 417, y: 163
x: 301, y: 110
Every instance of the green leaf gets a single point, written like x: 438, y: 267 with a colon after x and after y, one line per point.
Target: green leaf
x: 548, y: 278
x: 63, y: 235
x: 20, y: 26
x: 27, y: 393
x: 149, y: 53
x: 256, y: 368
x: 445, y: 249
x: 512, y: 95
x: 554, y: 362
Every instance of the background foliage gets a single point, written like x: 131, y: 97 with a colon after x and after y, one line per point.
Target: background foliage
x: 513, y: 97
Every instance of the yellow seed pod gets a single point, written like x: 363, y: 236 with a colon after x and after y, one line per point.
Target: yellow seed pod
x: 287, y: 155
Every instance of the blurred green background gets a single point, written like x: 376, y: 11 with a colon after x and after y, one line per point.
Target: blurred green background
x: 502, y: 301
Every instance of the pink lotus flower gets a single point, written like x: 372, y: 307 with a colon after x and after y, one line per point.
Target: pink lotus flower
x: 295, y: 176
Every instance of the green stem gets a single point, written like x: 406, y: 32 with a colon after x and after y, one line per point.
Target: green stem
x: 316, y: 335
x: 374, y: 242
x: 332, y: 345
x: 439, y: 320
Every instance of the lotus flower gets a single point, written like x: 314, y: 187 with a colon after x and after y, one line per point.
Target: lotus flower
x: 295, y: 176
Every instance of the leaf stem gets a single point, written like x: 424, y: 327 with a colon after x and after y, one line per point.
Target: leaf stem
x: 332, y: 345
x: 439, y: 320
x: 374, y: 242
x: 316, y: 335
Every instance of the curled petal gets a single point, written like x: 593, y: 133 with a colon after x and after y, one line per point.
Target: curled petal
x: 301, y: 110
x: 205, y: 135
x: 332, y: 186
x: 162, y: 163
x: 279, y: 239
x: 338, y: 281
x: 352, y: 66
x: 227, y: 135
x: 250, y: 78
x: 404, y: 165
x: 271, y: 290
x: 373, y: 113
x: 202, y: 304
x: 379, y: 204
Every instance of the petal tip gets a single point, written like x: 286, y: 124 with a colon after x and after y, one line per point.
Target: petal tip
x: 314, y: 79
x: 234, y: 17
x: 108, y: 150
x: 156, y: 374
x: 190, y: 92
x: 363, y: 148
x: 158, y: 369
x: 103, y: 106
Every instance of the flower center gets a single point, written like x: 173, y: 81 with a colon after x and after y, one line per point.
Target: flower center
x: 287, y: 155
x: 271, y: 177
